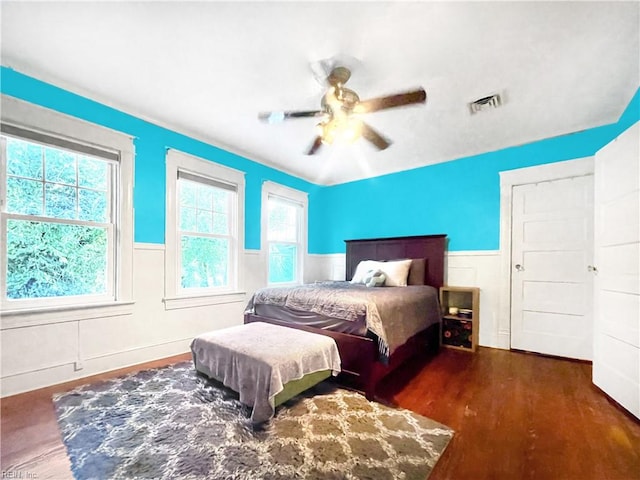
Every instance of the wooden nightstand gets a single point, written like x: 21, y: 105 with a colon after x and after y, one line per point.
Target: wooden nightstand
x: 460, y: 330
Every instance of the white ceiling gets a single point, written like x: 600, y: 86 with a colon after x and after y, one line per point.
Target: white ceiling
x: 207, y: 68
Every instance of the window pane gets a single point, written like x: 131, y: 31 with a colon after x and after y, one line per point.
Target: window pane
x: 93, y: 173
x: 205, y: 262
x: 282, y: 222
x: 205, y: 222
x: 59, y: 166
x: 93, y: 205
x: 188, y: 219
x: 24, y: 196
x: 54, y: 260
x: 205, y: 197
x: 24, y: 159
x: 282, y: 263
x: 220, y: 224
x: 60, y: 201
x: 188, y: 192
x: 221, y: 200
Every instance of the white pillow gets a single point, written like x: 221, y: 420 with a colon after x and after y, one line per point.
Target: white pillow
x: 361, y: 270
x: 396, y: 272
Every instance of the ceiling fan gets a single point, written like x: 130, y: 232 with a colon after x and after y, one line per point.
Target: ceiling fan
x: 340, y: 109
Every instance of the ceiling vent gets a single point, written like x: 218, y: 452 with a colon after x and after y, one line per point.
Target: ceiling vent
x: 485, y: 103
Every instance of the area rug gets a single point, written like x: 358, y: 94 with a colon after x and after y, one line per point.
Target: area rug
x: 170, y: 423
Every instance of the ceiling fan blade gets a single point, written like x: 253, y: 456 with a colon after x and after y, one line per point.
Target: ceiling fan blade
x: 391, y: 101
x: 374, y: 137
x: 276, y: 117
x: 315, y: 146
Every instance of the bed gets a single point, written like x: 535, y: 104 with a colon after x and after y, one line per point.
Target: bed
x: 365, y: 358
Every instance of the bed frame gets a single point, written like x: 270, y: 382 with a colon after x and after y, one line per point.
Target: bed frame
x: 361, y: 368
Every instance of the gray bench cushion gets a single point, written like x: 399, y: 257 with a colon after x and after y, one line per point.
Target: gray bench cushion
x: 258, y: 359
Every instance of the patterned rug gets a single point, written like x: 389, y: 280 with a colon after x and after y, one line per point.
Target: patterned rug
x: 173, y: 423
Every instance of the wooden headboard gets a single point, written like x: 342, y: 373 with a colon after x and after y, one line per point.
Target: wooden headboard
x: 431, y: 247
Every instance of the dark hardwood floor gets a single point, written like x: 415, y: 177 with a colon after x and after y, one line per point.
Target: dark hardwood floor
x: 516, y: 416
x: 520, y: 416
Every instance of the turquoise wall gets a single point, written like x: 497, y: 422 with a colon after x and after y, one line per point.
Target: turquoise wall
x: 151, y: 143
x: 460, y: 198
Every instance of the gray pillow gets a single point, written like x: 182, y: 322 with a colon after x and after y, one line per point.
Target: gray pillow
x: 374, y: 278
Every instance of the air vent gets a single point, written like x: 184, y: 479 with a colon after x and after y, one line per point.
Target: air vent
x: 485, y: 103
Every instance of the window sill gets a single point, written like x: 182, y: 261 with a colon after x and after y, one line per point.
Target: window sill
x: 61, y: 314
x: 174, y: 303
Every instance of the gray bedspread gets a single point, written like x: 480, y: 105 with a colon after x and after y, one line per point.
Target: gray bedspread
x: 393, y: 314
x: 258, y: 359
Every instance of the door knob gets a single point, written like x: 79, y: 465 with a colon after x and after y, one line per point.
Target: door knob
x: 519, y: 267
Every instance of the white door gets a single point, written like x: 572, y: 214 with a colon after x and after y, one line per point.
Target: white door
x: 551, y: 256
x: 616, y: 356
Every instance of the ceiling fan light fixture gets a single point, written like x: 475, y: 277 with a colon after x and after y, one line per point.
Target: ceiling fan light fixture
x: 342, y: 129
x: 340, y: 108
x: 324, y: 133
x: 352, y: 130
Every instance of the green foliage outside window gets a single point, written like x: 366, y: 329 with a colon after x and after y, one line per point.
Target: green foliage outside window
x: 204, y: 240
x: 205, y: 262
x: 53, y: 259
x: 282, y: 227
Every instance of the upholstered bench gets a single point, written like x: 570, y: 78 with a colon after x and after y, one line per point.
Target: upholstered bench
x: 266, y: 364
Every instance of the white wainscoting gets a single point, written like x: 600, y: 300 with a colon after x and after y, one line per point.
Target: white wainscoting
x: 480, y: 269
x: 325, y: 267
x: 39, y: 353
x: 465, y: 269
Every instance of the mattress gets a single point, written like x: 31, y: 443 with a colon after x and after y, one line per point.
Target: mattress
x: 392, y: 315
x: 312, y: 319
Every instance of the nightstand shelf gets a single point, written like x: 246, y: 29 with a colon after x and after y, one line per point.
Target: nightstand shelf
x: 460, y: 330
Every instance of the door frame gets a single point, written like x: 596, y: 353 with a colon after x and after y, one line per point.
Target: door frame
x: 508, y: 180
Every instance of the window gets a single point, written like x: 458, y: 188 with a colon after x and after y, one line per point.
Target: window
x: 284, y: 224
x: 63, y: 241
x: 205, y: 225
x: 204, y: 229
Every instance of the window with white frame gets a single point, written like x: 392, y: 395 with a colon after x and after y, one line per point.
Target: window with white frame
x: 204, y: 227
x: 284, y: 227
x: 63, y: 237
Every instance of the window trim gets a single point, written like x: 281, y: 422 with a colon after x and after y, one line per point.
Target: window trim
x: 291, y: 195
x: 175, y: 297
x: 19, y: 114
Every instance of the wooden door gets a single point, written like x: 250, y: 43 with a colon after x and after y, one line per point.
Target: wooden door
x: 552, y: 250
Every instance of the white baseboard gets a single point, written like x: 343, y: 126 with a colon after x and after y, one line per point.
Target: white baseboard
x: 24, y: 382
